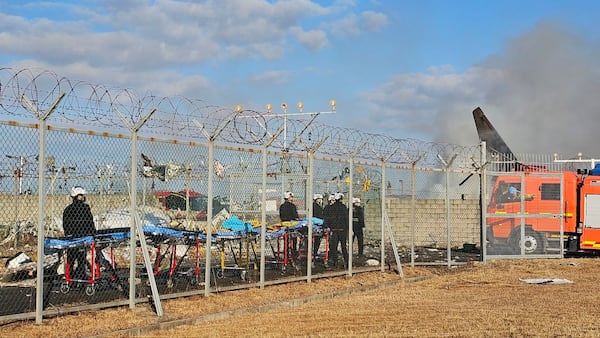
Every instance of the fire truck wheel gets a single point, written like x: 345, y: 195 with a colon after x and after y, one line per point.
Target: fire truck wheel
x: 531, y: 243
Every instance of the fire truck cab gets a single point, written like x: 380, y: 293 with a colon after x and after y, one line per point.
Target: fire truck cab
x: 531, y: 212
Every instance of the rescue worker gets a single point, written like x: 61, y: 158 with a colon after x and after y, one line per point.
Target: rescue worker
x: 289, y: 212
x: 336, y: 218
x: 318, y: 213
x: 358, y: 224
x: 78, y: 222
x: 318, y: 206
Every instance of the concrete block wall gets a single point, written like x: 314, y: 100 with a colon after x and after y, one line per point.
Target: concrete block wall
x: 429, y: 219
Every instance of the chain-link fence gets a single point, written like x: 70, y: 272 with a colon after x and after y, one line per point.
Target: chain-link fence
x: 184, y: 198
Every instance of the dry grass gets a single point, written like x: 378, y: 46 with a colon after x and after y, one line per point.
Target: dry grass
x: 472, y: 301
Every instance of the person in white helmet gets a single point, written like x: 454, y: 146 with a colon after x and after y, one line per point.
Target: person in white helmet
x: 288, y: 210
x: 318, y: 206
x: 358, y: 224
x: 78, y: 222
x: 318, y: 213
x: 336, y: 218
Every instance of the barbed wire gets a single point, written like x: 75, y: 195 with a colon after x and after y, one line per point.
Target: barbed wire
x: 117, y: 110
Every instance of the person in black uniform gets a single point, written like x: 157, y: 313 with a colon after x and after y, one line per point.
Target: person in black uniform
x: 336, y: 218
x: 318, y: 213
x: 289, y: 212
x: 78, y: 222
x: 358, y: 224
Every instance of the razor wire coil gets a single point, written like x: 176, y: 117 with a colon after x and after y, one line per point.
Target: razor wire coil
x: 117, y: 110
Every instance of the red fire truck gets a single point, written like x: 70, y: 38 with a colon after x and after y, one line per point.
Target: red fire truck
x: 532, y: 210
x: 527, y: 211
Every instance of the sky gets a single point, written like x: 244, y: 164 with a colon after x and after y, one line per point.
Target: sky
x: 406, y: 69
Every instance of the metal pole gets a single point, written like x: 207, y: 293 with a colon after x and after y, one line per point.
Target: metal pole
x: 350, y: 215
x: 483, y: 202
x: 209, y: 215
x: 383, y: 215
x: 39, y: 294
x: 309, y: 208
x: 447, y: 166
x: 448, y: 232
x: 135, y: 226
x: 413, y: 214
x: 263, y: 217
x: 263, y: 209
x: 39, y: 302
x: 132, y: 228
x: 209, y: 206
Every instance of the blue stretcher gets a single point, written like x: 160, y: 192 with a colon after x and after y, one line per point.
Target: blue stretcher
x: 97, y: 262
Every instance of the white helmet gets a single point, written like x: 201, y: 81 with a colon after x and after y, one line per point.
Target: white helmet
x: 77, y: 190
x: 288, y: 194
x: 339, y: 195
x: 317, y: 196
x: 355, y: 200
x: 331, y: 197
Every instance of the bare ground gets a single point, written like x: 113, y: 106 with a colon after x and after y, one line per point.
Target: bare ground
x: 477, y: 300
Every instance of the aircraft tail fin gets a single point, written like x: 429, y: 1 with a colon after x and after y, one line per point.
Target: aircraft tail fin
x: 492, y: 138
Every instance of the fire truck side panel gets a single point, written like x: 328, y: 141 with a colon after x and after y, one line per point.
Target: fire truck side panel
x: 590, y: 213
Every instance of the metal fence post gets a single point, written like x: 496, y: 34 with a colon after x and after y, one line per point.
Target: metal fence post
x: 42, y: 116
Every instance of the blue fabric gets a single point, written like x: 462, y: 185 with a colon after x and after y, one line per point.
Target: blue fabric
x: 596, y: 170
x: 61, y: 243
x: 236, y: 224
x: 221, y: 234
x: 154, y: 230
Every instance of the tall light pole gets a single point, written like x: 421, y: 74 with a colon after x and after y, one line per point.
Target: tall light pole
x: 300, y: 106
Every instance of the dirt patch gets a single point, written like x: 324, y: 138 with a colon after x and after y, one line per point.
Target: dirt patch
x: 474, y: 300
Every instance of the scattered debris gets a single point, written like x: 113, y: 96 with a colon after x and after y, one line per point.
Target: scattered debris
x: 18, y: 260
x: 372, y: 262
x: 545, y: 280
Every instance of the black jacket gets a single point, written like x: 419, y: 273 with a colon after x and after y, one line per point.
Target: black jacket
x: 78, y: 220
x: 288, y: 211
x: 336, y: 216
x: 358, y: 218
x: 317, y: 210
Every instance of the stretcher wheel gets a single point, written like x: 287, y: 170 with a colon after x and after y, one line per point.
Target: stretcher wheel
x: 194, y: 281
x: 220, y: 274
x: 90, y: 290
x: 65, y: 288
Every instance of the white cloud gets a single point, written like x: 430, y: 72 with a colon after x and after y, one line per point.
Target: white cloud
x: 372, y: 21
x: 312, y: 40
x: 351, y: 25
x: 273, y: 76
x: 347, y: 26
